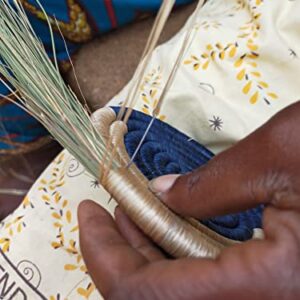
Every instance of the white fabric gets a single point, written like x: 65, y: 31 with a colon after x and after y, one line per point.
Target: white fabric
x: 209, y: 101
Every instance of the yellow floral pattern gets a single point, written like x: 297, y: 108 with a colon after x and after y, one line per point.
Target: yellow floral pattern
x: 230, y: 72
x: 64, y: 224
x: 246, y: 64
x: 150, y: 93
x: 86, y: 292
x: 13, y: 225
x: 12, y: 228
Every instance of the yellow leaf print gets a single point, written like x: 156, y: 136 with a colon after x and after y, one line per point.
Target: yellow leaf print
x: 219, y: 46
x: 75, y: 228
x: 247, y: 87
x: 162, y: 118
x: 56, y: 216
x: 18, y: 219
x: 213, y: 55
x: 61, y: 236
x: 273, y: 95
x: 45, y: 198
x: 26, y: 202
x: 69, y: 267
x: 83, y: 269
x: 254, y: 98
x: 69, y: 216
x: 72, y: 243
x: 145, y: 99
x: 241, y: 74
x: 146, y: 111
x: 243, y: 35
x: 10, y: 232
x: 222, y: 55
x: 238, y: 63
x: 252, y: 55
x: 252, y: 63
x: 57, y: 225
x: 65, y: 203
x: 79, y: 258
x: 257, y: 16
x: 55, y: 245
x: 252, y: 47
x: 72, y: 248
x: 5, y: 247
x: 232, y: 51
x: 209, y: 47
x: 153, y: 93
x: 19, y: 228
x: 57, y: 197
x: 256, y: 74
x: 245, y: 27
x: 188, y: 62
x: 86, y: 293
x: 196, y: 67
x: 71, y: 251
x: 43, y: 181
x: 205, y: 65
x: 3, y: 240
x: 60, y: 158
x: 263, y: 84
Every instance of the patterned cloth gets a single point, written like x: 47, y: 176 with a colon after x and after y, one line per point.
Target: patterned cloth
x: 240, y: 69
x: 79, y: 21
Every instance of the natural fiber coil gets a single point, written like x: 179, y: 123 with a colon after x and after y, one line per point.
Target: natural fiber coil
x: 178, y: 236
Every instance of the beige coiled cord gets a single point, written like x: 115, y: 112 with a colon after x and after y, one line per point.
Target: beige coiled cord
x: 178, y: 236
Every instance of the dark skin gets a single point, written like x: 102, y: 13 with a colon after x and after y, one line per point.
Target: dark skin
x: 262, y: 168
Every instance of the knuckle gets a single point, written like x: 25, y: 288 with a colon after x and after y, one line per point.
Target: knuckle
x: 271, y: 187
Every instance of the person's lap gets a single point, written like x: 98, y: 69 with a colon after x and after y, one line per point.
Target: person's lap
x: 42, y: 233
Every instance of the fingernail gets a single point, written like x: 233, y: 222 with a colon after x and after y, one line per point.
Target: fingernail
x: 162, y: 184
x: 116, y: 211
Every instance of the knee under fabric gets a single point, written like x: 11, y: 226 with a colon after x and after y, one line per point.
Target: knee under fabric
x: 231, y: 82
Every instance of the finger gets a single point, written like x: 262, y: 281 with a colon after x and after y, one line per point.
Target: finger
x: 271, y: 266
x: 234, y: 180
x: 136, y: 238
x: 204, y: 279
x: 107, y: 254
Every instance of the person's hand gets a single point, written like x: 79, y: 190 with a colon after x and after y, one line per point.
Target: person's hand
x: 263, y: 168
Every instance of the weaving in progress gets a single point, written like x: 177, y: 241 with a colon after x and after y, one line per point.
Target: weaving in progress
x: 86, y: 22
x: 167, y: 120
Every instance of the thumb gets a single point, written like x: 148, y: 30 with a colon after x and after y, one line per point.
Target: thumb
x: 237, y: 179
x: 106, y: 253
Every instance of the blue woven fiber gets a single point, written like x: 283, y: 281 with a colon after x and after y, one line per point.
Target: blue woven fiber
x: 168, y: 151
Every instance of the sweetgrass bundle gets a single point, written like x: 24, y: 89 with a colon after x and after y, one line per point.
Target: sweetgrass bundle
x: 36, y: 83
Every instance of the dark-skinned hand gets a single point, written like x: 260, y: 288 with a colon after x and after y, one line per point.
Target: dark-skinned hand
x: 262, y: 168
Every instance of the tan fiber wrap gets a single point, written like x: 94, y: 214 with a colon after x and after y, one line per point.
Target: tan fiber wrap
x: 177, y: 236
